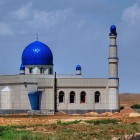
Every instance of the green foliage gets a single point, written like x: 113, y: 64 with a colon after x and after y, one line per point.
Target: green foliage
x: 135, y: 106
x: 67, y: 123
x: 121, y: 107
x: 105, y: 121
x: 10, y: 133
x: 53, y: 125
x: 104, y: 129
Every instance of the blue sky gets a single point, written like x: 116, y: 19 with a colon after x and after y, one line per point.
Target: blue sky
x: 77, y: 31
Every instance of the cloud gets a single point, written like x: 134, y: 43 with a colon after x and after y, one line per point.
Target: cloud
x: 131, y: 15
x: 22, y: 13
x: 49, y: 18
x: 28, y: 16
x: 5, y: 29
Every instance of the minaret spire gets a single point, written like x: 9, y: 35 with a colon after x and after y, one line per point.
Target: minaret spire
x: 37, y: 36
x: 113, y: 82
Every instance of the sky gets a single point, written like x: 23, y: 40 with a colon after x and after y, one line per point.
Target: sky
x: 77, y: 32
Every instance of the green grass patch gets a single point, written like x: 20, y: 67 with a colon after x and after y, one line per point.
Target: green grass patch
x: 103, y: 129
x: 59, y: 122
x: 104, y: 121
x: 10, y: 133
x: 135, y: 106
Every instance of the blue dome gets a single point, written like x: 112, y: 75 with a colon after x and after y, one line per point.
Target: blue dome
x: 113, y: 29
x: 78, y: 67
x: 37, y: 53
x: 22, y: 67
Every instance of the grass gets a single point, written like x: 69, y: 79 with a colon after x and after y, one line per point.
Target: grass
x: 88, y: 132
x: 104, y: 121
x: 10, y: 133
x: 135, y: 106
x: 67, y: 123
x: 104, y: 129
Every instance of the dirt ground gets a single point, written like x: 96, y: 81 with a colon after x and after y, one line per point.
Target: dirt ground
x: 33, y: 120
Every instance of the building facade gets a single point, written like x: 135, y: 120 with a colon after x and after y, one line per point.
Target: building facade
x: 38, y: 88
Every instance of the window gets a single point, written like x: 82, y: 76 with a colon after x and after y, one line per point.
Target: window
x: 42, y: 70
x: 83, y: 97
x: 61, y: 97
x: 97, y: 97
x: 72, y: 97
x: 30, y: 70
x: 50, y: 72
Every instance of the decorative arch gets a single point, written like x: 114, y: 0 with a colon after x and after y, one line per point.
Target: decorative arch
x: 83, y: 97
x: 61, y: 97
x: 41, y: 70
x: 72, y: 97
x: 30, y: 70
x: 97, y: 97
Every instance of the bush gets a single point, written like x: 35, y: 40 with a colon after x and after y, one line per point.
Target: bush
x: 135, y: 106
x: 121, y: 107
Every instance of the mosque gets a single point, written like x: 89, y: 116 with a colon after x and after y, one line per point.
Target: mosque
x: 38, y: 89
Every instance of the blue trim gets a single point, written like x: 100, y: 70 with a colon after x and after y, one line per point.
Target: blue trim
x: 22, y: 73
x: 113, y: 58
x: 113, y: 46
x: 114, y: 78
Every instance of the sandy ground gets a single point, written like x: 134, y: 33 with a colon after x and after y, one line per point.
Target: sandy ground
x: 32, y: 120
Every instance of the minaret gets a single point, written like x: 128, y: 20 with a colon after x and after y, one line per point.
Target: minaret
x: 113, y: 54
x: 22, y: 69
x: 113, y: 99
x: 78, y: 70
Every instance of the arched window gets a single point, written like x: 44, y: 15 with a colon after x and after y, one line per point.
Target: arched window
x: 72, y: 97
x: 50, y: 71
x: 41, y: 70
x: 30, y: 70
x: 83, y: 97
x: 97, y: 97
x: 61, y: 97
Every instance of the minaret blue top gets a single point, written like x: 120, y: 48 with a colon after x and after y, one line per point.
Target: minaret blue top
x: 113, y: 30
x: 22, y: 67
x: 37, y: 53
x: 78, y: 67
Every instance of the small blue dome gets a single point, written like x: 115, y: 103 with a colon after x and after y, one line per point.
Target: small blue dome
x: 37, y: 53
x: 78, y: 67
x: 22, y: 67
x: 113, y: 29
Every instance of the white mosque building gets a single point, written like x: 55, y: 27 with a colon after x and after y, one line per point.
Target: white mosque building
x: 37, y: 88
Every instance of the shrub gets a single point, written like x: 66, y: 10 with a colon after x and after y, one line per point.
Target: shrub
x: 135, y: 106
x: 121, y: 107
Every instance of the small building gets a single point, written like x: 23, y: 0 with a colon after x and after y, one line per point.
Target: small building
x: 38, y: 88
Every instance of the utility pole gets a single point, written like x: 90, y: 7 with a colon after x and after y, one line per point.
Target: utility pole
x: 55, y: 93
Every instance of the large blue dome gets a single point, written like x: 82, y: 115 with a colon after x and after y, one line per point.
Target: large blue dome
x: 37, y: 53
